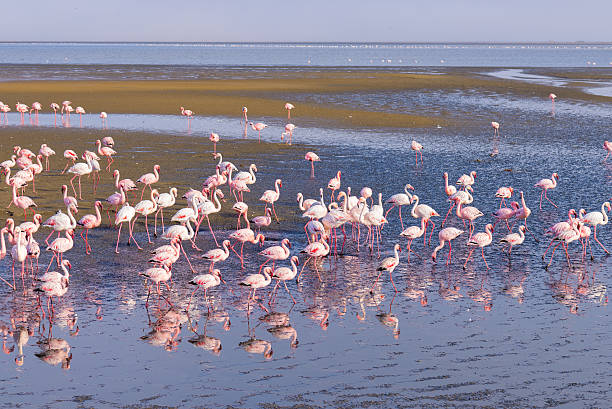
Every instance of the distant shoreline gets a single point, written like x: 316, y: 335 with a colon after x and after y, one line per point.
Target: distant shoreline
x: 327, y: 43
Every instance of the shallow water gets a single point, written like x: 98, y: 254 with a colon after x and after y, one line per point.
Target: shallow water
x: 516, y: 335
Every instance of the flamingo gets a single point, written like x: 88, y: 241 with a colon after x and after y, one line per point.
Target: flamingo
x: 189, y: 114
x: 205, y: 281
x: 46, y: 152
x: 55, y: 276
x: 70, y: 155
x: 61, y: 245
x: 505, y: 213
x: 318, y: 249
x: 183, y: 232
x: 80, y: 169
x: 422, y: 211
x: 241, y: 208
x: 157, y: 275
x: 145, y: 208
x: 388, y: 264
x: 552, y: 100
x: 257, y: 346
x: 214, y: 138
x: 8, y: 164
x: 90, y: 221
x: 207, y: 208
x: 19, y: 253
x: 22, y: 202
x: 165, y: 200
x: 334, y: 184
x: 31, y: 227
x: 285, y: 332
x: 413, y: 232
x: 36, y: 107
x: 244, y: 114
x: 80, y: 111
x: 467, y: 180
x: 167, y: 254
x: 469, y: 213
x: 217, y: 255
x: 285, y: 274
x: 68, y: 200
x: 598, y: 218
x: 313, y: 157
x: 22, y: 109
x: 255, y: 281
x: 104, y: 115
x: 446, y: 234
x: 607, y: 145
x: 417, y: 148
x: 546, y: 184
x: 247, y: 177
x: 106, y: 151
x: 399, y: 200
x: 289, y: 107
x: 148, y: 179
x: 523, y: 212
x: 108, y: 141
x: 245, y: 236
x: 271, y: 196
x: 514, y: 239
x: 259, y: 126
x: 61, y: 222
x: 125, y: 214
x: 116, y: 199
x: 55, y: 107
x: 495, y: 126
x: 289, y: 128
x: 6, y: 109
x: 226, y: 165
x: 480, y: 240
x: 52, y: 289
x: 263, y: 221
x: 504, y: 193
x: 276, y: 253
x: 565, y: 238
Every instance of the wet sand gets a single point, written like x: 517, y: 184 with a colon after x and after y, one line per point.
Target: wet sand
x: 223, y: 92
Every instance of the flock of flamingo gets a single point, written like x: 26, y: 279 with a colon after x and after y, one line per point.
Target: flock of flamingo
x: 323, y: 221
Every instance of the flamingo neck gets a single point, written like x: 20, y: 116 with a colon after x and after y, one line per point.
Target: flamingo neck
x: 301, y: 203
x: 3, y: 249
x: 252, y: 172
x: 415, y: 199
x: 98, y: 215
x: 66, y: 273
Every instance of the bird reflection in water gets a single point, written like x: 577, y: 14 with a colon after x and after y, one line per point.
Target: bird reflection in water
x: 54, y: 351
x: 204, y: 341
x: 165, y: 331
x: 389, y: 319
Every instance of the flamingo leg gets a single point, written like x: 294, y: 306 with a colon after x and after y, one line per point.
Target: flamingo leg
x: 468, y: 258
x: 118, y: 235
x: 450, y: 248
x: 211, y: 230
x: 483, y: 257
x: 546, y: 197
x: 131, y: 228
x: 597, y: 240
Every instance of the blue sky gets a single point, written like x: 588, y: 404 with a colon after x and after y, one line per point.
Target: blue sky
x: 314, y: 20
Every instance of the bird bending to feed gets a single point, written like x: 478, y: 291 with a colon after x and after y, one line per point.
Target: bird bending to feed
x: 448, y: 234
x: 313, y: 157
x: 289, y: 107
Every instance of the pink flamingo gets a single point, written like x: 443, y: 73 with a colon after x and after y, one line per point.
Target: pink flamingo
x: 285, y: 274
x: 469, y: 213
x: 46, y: 152
x: 36, y: 107
x: 217, y: 255
x: 449, y: 190
x: 188, y: 113
x: 289, y: 107
x: 244, y: 114
x: 413, y: 232
x: 108, y: 141
x: 317, y: 249
x: 263, y: 221
x: 106, y: 151
x: 145, y: 208
x: 19, y: 253
x: 388, y: 264
x: 125, y: 184
x: 214, y: 138
x: 399, y: 200
x: 417, y: 148
x: 312, y: 157
x: 598, y: 218
x: 205, y: 281
x: 245, y: 236
x: 422, y: 211
x: 522, y: 213
x: 70, y: 155
x: 148, y: 179
x: 259, y: 126
x: 90, y: 221
x: 163, y: 201
x: 495, y: 126
x: 80, y: 111
x: 183, y: 231
x: 104, y: 115
x: 480, y: 240
x: 125, y: 214
x: 241, y: 208
x: 552, y: 100
x: 207, y: 208
x: 276, y: 253
x: 55, y: 107
x: 289, y: 128
x: 546, y: 184
x: 446, y: 234
x: 116, y: 199
x: 80, y: 169
x: 4, y: 109
x: 467, y: 180
x: 31, y: 227
x: 514, y: 239
x: 334, y: 184
x: 607, y: 145
x: 505, y: 213
x: 22, y: 202
x: 565, y: 238
x: 271, y: 196
x: 504, y: 193
x: 256, y: 281
x: 157, y: 275
x: 22, y: 109
x: 61, y: 245
x: 69, y: 200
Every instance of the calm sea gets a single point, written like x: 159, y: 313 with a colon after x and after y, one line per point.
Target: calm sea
x: 315, y: 54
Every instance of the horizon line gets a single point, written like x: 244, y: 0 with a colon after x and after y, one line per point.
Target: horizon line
x: 550, y: 42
